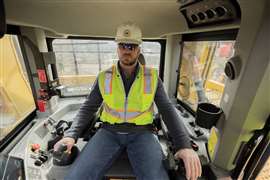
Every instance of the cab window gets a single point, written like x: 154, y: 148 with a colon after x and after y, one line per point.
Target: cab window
x: 80, y: 60
x: 16, y: 99
x: 202, y: 77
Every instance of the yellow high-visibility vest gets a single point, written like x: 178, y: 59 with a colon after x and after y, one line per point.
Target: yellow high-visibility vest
x: 137, y: 107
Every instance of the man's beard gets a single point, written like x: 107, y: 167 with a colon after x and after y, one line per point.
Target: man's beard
x: 129, y: 63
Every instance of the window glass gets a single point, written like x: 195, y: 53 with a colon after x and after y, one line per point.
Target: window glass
x: 202, y: 75
x: 16, y: 100
x: 79, y: 61
x: 151, y: 52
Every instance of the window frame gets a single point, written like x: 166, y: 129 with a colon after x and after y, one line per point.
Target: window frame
x: 223, y: 35
x: 10, y: 137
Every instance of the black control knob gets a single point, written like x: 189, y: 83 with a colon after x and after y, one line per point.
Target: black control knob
x: 210, y: 13
x: 201, y: 16
x: 194, y: 18
x: 192, y: 124
x: 43, y: 158
x: 62, y: 148
x: 38, y: 162
x: 42, y: 152
x: 221, y: 11
x: 59, y: 153
x: 198, y: 132
x: 185, y: 115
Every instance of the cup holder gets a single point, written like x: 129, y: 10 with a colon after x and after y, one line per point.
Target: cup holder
x: 207, y: 115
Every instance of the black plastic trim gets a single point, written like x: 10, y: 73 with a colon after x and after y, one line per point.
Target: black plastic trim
x: 250, y: 157
x: 13, y: 29
x: 3, y: 25
x: 224, y: 35
x: 187, y: 107
x: 28, y: 69
x: 162, y: 59
x: 260, y: 155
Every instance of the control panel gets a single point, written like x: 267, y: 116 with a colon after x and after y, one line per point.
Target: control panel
x: 195, y: 132
x: 39, y: 154
x: 41, y: 162
x: 199, y: 136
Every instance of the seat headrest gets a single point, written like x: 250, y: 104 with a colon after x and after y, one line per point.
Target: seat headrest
x: 141, y: 59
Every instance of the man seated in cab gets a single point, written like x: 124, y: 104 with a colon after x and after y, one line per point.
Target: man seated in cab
x: 127, y: 91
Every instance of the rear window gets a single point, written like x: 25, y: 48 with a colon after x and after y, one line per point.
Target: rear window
x: 79, y: 61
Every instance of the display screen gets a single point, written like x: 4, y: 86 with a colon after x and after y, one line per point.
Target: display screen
x: 11, y: 168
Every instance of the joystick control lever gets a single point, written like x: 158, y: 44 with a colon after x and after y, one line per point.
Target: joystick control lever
x: 174, y: 164
x: 60, y: 152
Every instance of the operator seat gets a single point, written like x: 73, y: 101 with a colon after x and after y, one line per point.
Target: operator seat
x: 141, y: 59
x: 121, y: 167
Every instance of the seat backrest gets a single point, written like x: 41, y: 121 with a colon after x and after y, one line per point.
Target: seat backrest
x: 141, y: 59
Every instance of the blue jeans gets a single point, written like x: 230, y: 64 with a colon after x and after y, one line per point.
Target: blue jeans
x: 143, y: 149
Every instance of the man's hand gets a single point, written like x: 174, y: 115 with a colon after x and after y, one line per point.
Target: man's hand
x: 192, y: 163
x: 67, y: 141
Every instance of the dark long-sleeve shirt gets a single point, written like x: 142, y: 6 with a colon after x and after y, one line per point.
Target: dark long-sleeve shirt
x: 165, y: 108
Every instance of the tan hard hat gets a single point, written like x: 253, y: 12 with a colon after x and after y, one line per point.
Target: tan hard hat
x: 128, y: 33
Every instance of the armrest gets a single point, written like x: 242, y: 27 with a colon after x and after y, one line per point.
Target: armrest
x: 90, y: 129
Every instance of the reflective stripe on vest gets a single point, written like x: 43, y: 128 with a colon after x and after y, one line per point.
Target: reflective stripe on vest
x: 147, y: 80
x: 121, y: 114
x: 108, y: 81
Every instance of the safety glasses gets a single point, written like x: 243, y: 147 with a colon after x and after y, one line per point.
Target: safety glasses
x: 130, y: 47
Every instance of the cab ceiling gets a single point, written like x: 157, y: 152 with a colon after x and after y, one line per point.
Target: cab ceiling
x: 96, y: 18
